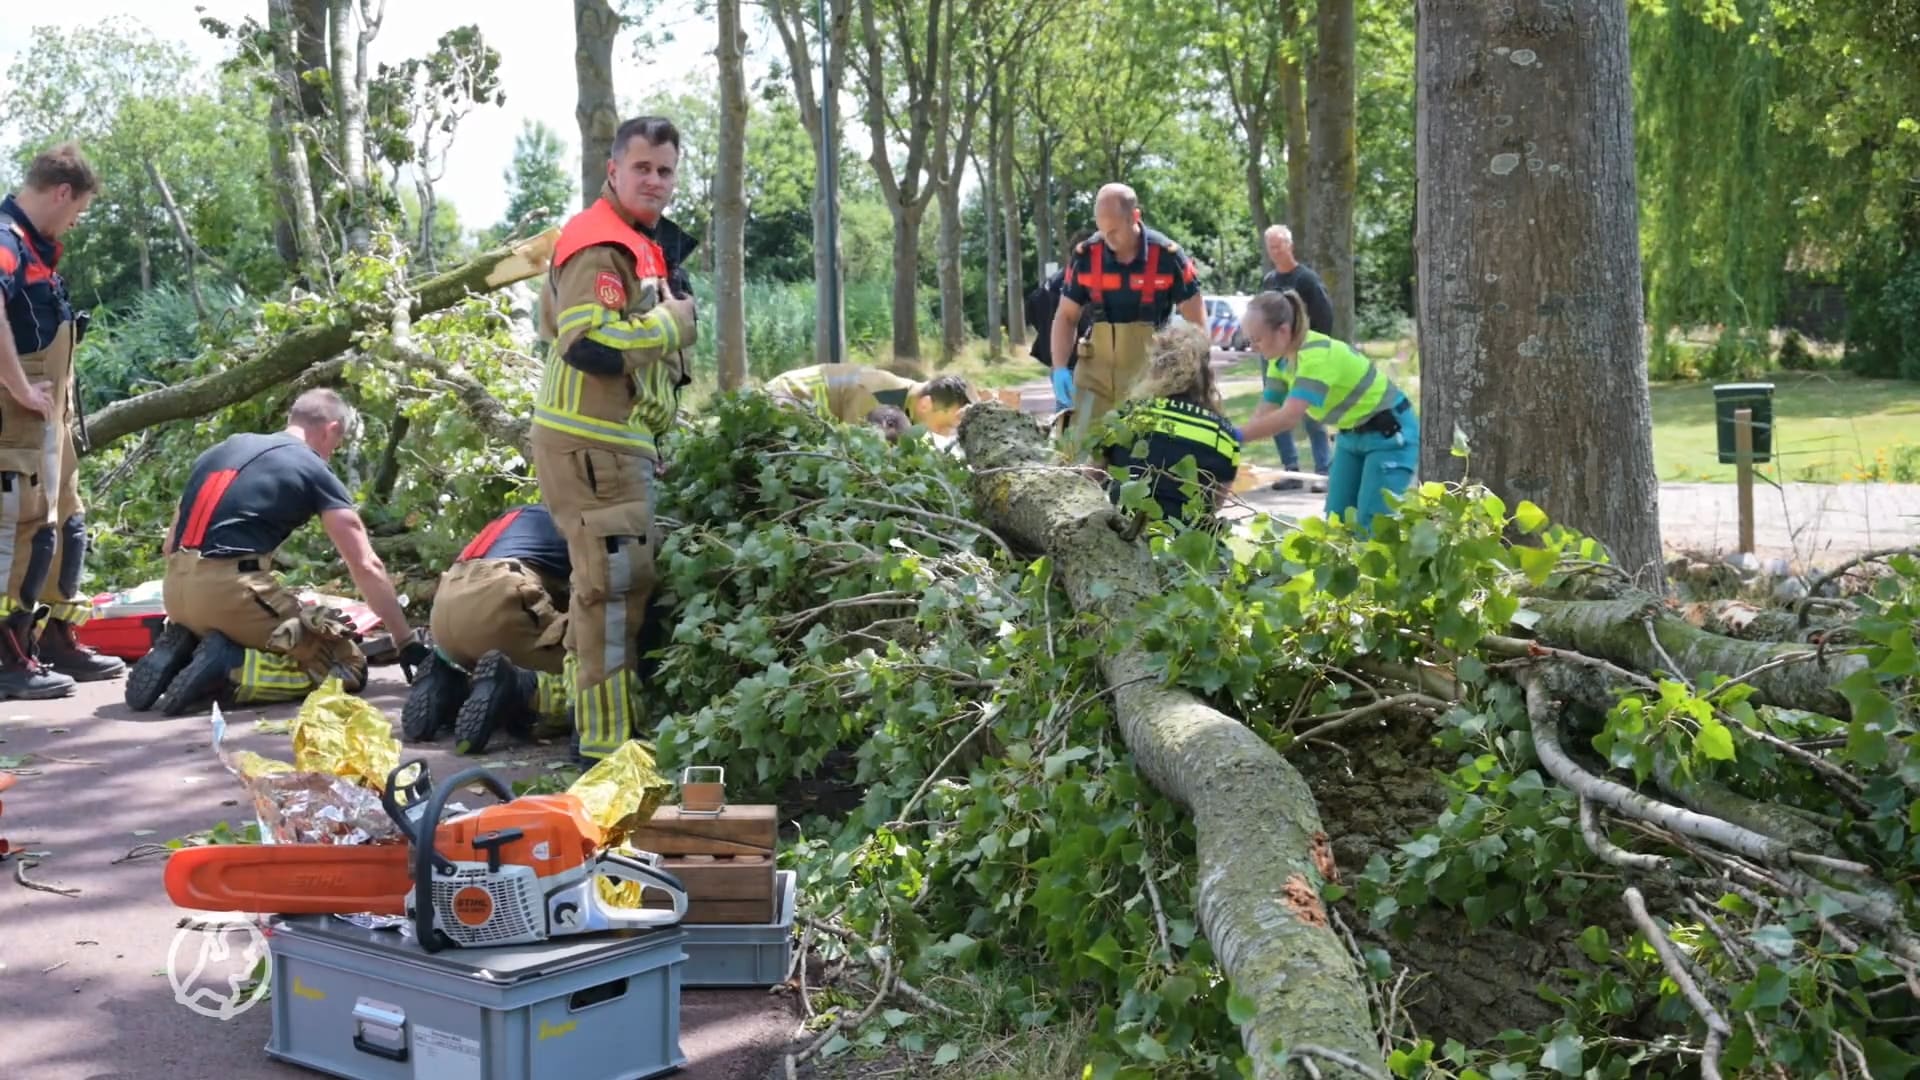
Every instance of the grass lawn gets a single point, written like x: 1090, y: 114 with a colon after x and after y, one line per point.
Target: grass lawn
x: 1829, y: 428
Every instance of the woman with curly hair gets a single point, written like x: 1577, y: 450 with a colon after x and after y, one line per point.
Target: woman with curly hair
x: 1172, y: 434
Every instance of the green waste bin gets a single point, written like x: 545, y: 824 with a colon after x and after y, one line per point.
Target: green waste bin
x: 1758, y: 397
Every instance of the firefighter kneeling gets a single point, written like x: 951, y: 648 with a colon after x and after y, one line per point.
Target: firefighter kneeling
x: 850, y: 393
x: 499, y: 625
x: 230, y: 622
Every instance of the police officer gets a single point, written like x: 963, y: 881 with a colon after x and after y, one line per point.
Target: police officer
x: 229, y: 619
x: 43, y: 536
x: 611, y: 389
x: 1134, y: 278
x: 1175, y: 416
x: 1311, y: 374
x: 849, y: 393
x: 498, y: 622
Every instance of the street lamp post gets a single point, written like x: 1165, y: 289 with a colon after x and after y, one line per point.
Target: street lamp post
x: 829, y: 181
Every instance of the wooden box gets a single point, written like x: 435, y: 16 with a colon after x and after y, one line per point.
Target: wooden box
x: 725, y: 861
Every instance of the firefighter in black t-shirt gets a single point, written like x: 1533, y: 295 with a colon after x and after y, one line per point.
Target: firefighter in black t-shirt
x: 243, y: 499
x: 499, y: 628
x: 1134, y: 278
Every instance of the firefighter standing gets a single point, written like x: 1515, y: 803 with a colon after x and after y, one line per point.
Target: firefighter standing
x: 1134, y: 278
x: 850, y: 393
x: 499, y: 620
x: 229, y: 619
x: 43, y: 535
x: 610, y: 390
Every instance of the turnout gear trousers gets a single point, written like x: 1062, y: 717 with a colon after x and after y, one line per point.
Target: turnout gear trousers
x: 290, y: 649
x: 504, y: 604
x: 1113, y: 356
x: 42, y: 519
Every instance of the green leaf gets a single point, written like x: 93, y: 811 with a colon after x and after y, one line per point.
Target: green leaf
x: 1773, y: 939
x: 1056, y: 764
x: 1240, y: 1009
x: 1537, y: 563
x: 1563, y: 1054
x: 1460, y: 446
x: 1106, y: 951
x: 1768, y: 990
x: 1530, y: 518
x: 1593, y: 942
x: 947, y: 1054
x: 1715, y: 741
x: 894, y: 1017
x: 1150, y: 1048
x: 1178, y: 990
x: 1885, y: 1061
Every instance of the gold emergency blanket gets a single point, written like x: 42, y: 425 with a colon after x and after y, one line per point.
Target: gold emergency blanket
x: 343, y: 749
x: 341, y: 734
x: 621, y: 792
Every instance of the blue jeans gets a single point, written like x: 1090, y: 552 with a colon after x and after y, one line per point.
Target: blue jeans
x: 1367, y: 466
x: 1316, y: 443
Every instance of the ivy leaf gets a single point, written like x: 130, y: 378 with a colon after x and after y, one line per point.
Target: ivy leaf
x: 1714, y: 741
x: 947, y: 1054
x: 1563, y: 1054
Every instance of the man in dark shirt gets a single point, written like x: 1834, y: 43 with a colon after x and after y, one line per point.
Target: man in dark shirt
x: 498, y: 627
x: 1290, y: 273
x: 1043, y: 301
x: 243, y: 499
x: 1133, y: 278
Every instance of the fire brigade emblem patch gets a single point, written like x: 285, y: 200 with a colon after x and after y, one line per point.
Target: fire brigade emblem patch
x: 608, y: 289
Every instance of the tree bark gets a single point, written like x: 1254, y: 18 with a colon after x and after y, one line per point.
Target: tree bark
x: 1293, y: 109
x: 953, y: 315
x: 1330, y: 119
x: 990, y: 196
x: 595, y: 108
x: 1009, y: 203
x: 1530, y: 303
x: 350, y: 107
x: 790, y: 21
x: 1046, y: 248
x: 730, y: 203
x: 285, y: 359
x: 1261, y: 850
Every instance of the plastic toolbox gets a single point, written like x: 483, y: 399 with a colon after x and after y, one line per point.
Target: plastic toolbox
x: 372, y: 1005
x: 733, y: 955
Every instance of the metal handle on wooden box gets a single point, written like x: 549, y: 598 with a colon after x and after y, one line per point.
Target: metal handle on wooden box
x: 703, y: 798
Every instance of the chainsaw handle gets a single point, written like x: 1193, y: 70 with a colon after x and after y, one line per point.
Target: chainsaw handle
x: 425, y: 858
x: 416, y: 791
x: 623, y: 867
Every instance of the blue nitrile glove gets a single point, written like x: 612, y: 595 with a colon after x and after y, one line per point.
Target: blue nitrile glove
x: 1237, y: 437
x: 1063, y: 387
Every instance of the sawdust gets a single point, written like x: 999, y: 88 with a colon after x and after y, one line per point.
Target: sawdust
x: 1303, y: 900
x: 1323, y: 858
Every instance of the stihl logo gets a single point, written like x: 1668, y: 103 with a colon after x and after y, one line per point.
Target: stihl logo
x: 473, y: 906
x: 309, y: 882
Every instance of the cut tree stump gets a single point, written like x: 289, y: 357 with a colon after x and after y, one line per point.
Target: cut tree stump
x: 1263, y: 856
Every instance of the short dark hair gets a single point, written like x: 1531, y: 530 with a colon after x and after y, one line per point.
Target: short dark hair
x: 655, y: 129
x: 947, y: 391
x: 63, y: 164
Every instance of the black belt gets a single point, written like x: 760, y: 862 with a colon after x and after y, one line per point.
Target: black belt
x: 245, y: 564
x: 1385, y: 422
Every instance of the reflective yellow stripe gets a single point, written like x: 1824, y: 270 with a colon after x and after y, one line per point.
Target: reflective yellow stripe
x: 603, y: 714
x: 587, y: 427
x: 71, y: 612
x: 1192, y: 429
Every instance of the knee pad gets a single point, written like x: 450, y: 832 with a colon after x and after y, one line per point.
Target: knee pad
x: 39, y: 565
x: 73, y: 554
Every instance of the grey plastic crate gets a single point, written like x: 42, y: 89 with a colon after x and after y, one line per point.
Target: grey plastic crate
x: 724, y: 954
x: 371, y: 1005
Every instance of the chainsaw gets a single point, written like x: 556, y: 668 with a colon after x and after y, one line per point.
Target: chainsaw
x: 515, y: 873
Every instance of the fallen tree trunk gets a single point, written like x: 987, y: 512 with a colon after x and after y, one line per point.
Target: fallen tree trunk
x: 1262, y: 853
x: 288, y: 357
x: 1616, y: 630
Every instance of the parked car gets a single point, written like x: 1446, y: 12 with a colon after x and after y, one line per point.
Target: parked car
x: 1223, y: 322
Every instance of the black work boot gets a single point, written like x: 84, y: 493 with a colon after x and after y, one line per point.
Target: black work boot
x: 22, y: 677
x: 59, y: 649
x: 501, y: 699
x: 152, y: 672
x: 434, y: 699
x: 205, y: 676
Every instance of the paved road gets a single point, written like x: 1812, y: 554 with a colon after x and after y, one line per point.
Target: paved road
x: 1816, y: 524
x: 82, y: 987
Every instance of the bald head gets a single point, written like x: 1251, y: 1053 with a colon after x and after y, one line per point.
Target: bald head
x: 1114, y: 211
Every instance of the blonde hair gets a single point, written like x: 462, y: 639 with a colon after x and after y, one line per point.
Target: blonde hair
x: 1281, y: 311
x: 1180, y: 365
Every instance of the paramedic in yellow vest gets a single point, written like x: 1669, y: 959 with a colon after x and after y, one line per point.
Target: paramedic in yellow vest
x: 610, y: 391
x: 1133, y: 278
x: 1311, y: 374
x: 849, y: 393
x: 43, y: 535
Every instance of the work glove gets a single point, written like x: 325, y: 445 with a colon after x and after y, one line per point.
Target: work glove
x: 1063, y: 387
x: 413, y: 657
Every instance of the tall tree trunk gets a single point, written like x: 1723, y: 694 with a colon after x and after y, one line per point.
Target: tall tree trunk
x: 1330, y: 114
x: 595, y: 108
x: 991, y: 198
x: 790, y: 20
x: 350, y: 106
x: 1045, y: 246
x: 953, y: 315
x: 730, y: 202
x: 1530, y: 306
x: 298, y: 32
x: 308, y: 23
x: 427, y: 208
x: 1009, y: 203
x: 906, y: 280
x: 1293, y: 108
x: 1257, y: 194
